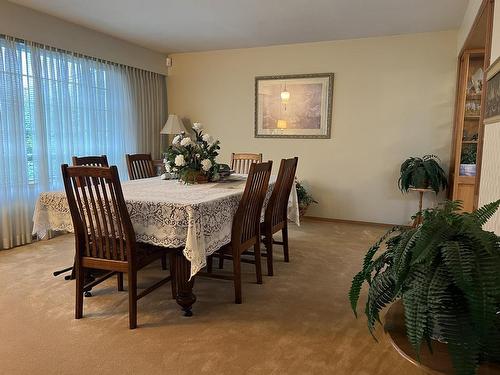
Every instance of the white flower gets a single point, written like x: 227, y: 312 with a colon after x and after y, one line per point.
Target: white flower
x: 186, y: 141
x: 197, y: 156
x: 179, y: 160
x: 168, y: 168
x: 207, y: 138
x: 206, y: 164
x: 174, y: 169
x: 176, y: 139
x: 197, y: 126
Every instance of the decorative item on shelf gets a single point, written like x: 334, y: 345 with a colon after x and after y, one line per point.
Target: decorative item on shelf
x: 304, y: 197
x: 422, y: 173
x: 447, y: 274
x: 473, y: 107
x: 475, y: 84
x: 468, y: 160
x: 194, y: 161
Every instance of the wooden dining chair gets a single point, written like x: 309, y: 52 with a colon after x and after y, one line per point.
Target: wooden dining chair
x: 245, y: 232
x: 140, y: 166
x: 91, y: 161
x: 275, y: 217
x: 97, y: 161
x: 158, y: 167
x: 241, y: 162
x: 104, y: 235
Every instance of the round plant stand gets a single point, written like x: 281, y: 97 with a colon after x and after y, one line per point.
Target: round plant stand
x: 418, y: 218
x: 438, y: 362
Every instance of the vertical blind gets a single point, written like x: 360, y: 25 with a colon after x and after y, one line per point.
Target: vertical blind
x: 55, y: 104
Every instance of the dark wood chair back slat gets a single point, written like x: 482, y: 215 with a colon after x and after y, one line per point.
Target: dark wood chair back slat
x: 91, y: 161
x: 277, y: 207
x: 246, y: 222
x: 100, y: 217
x: 140, y: 166
x: 241, y: 162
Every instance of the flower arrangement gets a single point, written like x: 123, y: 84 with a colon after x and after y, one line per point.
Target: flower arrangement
x: 193, y: 160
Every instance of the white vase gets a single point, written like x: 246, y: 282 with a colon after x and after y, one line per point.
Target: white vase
x: 467, y: 169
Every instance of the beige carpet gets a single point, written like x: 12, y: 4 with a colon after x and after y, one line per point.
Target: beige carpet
x: 297, y: 322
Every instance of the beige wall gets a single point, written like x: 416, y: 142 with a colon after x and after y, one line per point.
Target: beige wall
x: 393, y: 98
x: 25, y: 23
x: 489, y: 189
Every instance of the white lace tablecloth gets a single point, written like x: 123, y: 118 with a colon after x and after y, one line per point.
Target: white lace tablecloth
x: 168, y: 213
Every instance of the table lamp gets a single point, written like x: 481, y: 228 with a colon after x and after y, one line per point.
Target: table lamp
x: 173, y: 125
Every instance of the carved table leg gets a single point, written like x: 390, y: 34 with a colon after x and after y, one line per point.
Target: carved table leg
x: 185, y: 297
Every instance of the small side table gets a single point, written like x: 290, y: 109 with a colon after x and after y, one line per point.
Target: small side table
x: 418, y: 218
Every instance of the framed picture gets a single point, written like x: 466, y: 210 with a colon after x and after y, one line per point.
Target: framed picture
x: 294, y: 106
x: 492, y: 100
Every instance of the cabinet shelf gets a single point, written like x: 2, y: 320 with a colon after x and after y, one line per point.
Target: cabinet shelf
x: 472, y: 117
x: 473, y: 97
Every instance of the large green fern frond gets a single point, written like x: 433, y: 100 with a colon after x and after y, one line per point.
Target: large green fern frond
x: 483, y: 214
x: 381, y: 293
x: 365, y: 273
x: 460, y: 260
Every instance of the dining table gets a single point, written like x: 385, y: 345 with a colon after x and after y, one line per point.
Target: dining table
x: 196, y: 219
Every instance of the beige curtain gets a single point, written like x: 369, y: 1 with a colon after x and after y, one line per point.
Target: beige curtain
x: 55, y: 104
x: 149, y: 96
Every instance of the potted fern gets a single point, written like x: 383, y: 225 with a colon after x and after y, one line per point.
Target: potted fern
x: 422, y: 173
x: 447, y: 274
x: 304, y: 197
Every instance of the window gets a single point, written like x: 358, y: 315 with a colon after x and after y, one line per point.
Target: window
x: 55, y: 104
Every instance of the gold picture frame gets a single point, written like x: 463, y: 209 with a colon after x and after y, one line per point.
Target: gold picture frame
x: 294, y: 106
x: 492, y: 92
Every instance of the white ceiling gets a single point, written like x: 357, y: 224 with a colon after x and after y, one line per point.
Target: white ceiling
x: 197, y: 25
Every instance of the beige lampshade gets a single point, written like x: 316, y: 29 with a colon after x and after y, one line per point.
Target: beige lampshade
x: 281, y: 124
x: 173, y: 125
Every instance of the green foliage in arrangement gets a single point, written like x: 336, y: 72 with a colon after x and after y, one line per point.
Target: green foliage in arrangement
x: 447, y: 273
x: 303, y: 196
x: 422, y: 173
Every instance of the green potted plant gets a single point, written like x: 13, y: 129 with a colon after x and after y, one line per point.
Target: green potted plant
x: 304, y: 197
x: 194, y: 161
x: 422, y: 173
x: 468, y: 160
x: 447, y: 274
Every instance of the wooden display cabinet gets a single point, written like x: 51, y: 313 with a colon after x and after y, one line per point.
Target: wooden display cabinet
x: 467, y: 128
x: 465, y: 167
